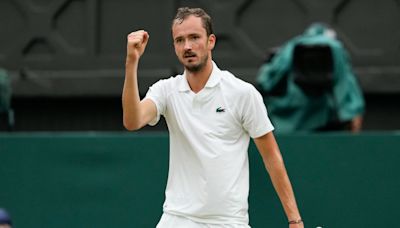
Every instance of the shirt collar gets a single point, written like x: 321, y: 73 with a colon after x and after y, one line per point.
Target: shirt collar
x: 212, y: 81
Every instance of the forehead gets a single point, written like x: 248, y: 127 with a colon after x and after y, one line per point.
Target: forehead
x: 191, y: 25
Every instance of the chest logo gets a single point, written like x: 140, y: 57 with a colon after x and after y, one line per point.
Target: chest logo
x: 220, y: 109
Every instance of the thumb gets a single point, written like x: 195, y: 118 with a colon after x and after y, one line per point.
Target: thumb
x: 146, y: 37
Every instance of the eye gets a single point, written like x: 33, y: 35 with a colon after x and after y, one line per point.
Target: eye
x: 178, y: 40
x: 195, y: 37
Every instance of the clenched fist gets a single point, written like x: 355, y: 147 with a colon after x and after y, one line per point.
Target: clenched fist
x: 136, y: 44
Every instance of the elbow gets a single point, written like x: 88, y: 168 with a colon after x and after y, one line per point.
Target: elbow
x: 131, y: 126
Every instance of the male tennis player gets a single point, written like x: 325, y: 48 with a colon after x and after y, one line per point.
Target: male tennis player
x: 211, y: 116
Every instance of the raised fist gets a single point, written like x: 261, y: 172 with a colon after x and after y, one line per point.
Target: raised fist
x: 136, y: 44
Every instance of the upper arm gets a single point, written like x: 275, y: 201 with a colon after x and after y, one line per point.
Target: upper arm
x: 268, y: 148
x: 149, y: 111
x: 254, y: 116
x: 155, y: 102
x: 140, y: 115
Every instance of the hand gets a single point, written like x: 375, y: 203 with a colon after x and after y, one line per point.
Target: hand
x: 300, y: 225
x: 136, y: 44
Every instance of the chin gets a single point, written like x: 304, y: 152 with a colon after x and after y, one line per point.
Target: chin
x: 190, y: 64
x: 194, y: 67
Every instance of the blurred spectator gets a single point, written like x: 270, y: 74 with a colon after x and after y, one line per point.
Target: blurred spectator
x: 5, y: 99
x: 5, y: 220
x: 308, y: 84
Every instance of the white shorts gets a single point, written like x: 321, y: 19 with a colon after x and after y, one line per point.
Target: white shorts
x: 173, y: 221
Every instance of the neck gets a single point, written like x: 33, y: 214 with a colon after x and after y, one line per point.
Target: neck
x: 198, y: 80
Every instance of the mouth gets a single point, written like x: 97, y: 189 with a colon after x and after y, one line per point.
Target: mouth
x: 189, y: 55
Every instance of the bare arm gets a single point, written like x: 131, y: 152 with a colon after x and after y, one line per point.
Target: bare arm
x: 136, y: 113
x: 356, y: 124
x: 273, y: 161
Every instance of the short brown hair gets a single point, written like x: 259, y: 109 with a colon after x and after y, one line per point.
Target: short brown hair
x: 183, y: 12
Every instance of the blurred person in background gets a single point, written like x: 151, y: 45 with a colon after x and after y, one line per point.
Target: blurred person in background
x: 5, y: 219
x: 308, y: 84
x: 6, y: 112
x: 211, y: 116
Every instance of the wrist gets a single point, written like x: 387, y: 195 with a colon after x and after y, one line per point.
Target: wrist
x: 295, y: 221
x: 131, y: 61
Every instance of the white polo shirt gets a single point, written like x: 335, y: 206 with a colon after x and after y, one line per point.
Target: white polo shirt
x: 209, y: 133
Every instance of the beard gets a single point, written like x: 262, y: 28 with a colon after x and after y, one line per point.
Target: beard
x: 196, y: 67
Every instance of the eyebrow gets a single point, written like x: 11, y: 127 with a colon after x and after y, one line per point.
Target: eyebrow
x: 189, y: 35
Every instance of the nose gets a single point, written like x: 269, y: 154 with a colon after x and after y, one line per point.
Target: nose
x: 188, y: 45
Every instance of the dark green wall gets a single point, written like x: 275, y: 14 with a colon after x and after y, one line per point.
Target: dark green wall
x: 78, y: 48
x: 118, y: 179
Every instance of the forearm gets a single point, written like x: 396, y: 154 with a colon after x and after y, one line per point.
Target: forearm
x: 130, y: 97
x: 283, y: 187
x: 275, y: 166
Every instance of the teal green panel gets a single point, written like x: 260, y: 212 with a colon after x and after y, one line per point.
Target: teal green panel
x: 339, y: 180
x: 90, y: 180
x: 118, y: 180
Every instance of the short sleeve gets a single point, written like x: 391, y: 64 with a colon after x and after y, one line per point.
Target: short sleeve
x: 255, y: 118
x: 157, y: 93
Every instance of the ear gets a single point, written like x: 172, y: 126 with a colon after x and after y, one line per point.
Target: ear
x: 212, y: 39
